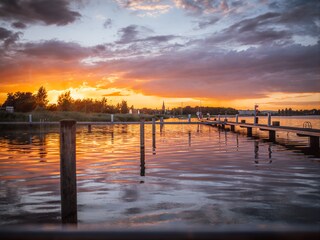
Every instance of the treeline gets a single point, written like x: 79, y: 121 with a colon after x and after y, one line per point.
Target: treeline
x: 27, y: 102
x: 290, y: 112
x: 204, y: 110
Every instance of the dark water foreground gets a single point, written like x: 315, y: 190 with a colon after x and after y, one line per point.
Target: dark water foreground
x: 196, y: 176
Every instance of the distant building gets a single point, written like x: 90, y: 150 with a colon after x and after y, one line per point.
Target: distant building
x: 163, y: 108
x: 251, y: 112
x: 9, y: 109
x: 134, y: 111
x: 246, y: 112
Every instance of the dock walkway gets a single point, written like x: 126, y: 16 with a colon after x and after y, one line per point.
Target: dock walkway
x: 313, y: 134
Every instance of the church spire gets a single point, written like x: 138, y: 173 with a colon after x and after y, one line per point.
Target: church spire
x: 163, y: 108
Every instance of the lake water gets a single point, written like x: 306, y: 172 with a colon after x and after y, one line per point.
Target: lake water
x: 197, y: 175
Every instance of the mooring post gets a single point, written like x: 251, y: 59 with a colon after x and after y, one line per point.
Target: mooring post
x: 89, y: 128
x: 153, y: 133
x: 272, y: 135
x: 237, y: 118
x: 68, y: 182
x: 249, y: 131
x: 189, y: 117
x: 219, y: 117
x: 269, y: 119
x: 142, y: 149
x: 30, y: 118
x: 111, y: 116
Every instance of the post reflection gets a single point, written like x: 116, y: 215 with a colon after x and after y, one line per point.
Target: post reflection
x: 142, y: 149
x: 43, y: 147
x: 154, y: 151
x: 256, y: 153
x: 161, y: 129
x: 112, y: 136
x: 237, y: 138
x: 270, y: 152
x: 189, y: 138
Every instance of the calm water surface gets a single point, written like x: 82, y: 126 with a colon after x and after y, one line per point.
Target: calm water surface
x: 197, y: 175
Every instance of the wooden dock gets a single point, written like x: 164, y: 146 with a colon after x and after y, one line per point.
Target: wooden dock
x: 312, y: 134
x: 95, y: 123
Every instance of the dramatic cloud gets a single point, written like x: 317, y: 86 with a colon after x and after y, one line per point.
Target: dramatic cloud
x: 202, y: 7
x: 212, y: 49
x: 45, y: 11
x: 56, y: 50
x: 8, y: 37
x: 19, y: 25
x: 134, y: 33
x: 145, y: 7
x: 252, y: 73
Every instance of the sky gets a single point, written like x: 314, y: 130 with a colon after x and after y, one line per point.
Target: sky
x: 224, y: 53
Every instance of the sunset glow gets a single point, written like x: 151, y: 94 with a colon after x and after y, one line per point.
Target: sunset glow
x: 217, y: 53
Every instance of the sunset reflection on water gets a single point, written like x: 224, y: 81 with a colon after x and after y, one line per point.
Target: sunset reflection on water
x: 196, y: 175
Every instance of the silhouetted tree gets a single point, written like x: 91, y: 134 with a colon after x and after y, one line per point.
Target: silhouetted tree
x: 41, y: 97
x: 124, y: 107
x: 65, y: 101
x: 52, y: 107
x: 21, y: 101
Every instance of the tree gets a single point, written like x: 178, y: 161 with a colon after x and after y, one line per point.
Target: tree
x: 41, y: 97
x: 9, y: 101
x: 124, y: 107
x: 65, y: 101
x: 21, y: 101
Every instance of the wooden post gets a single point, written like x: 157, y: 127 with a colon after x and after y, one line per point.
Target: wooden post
x: 111, y: 116
x: 249, y: 131
x: 30, y: 118
x: 237, y: 118
x: 68, y: 182
x: 89, y: 128
x: 272, y: 135
x: 153, y: 133
x: 189, y: 117
x: 269, y: 119
x: 142, y: 149
x: 219, y: 117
